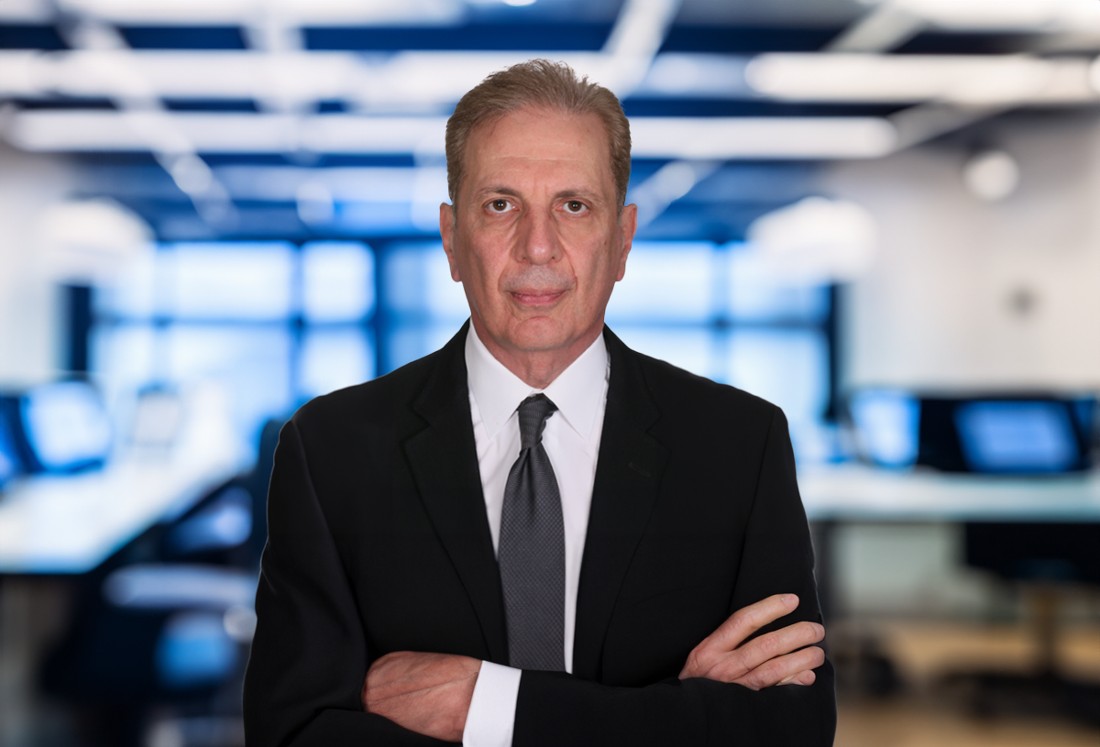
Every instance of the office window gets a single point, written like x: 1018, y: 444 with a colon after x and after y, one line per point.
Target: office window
x: 125, y: 352
x: 334, y: 358
x: 238, y: 282
x: 337, y: 282
x: 665, y: 284
x: 133, y: 294
x: 250, y: 366
x: 274, y: 324
x: 716, y: 311
x: 418, y: 284
x: 424, y: 305
x: 754, y: 294
x: 266, y: 324
x: 784, y: 366
x: 689, y: 347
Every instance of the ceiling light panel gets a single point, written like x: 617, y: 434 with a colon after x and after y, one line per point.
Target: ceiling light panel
x: 1028, y: 16
x: 405, y: 78
x: 239, y: 12
x: 730, y: 138
x: 975, y: 79
x: 26, y: 11
x: 653, y: 137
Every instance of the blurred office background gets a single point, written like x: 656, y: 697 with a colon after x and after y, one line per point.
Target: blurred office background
x: 880, y: 214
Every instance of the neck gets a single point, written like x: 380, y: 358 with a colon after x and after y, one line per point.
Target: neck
x: 537, y: 368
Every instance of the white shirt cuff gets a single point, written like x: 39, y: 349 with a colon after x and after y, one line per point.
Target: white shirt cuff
x: 492, y: 711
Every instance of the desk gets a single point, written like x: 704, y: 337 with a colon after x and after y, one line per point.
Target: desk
x: 852, y: 494
x: 65, y: 525
x: 54, y: 528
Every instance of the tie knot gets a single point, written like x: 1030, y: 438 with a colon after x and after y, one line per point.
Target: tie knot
x: 533, y: 413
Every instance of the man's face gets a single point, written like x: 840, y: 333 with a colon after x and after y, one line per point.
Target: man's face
x: 536, y: 235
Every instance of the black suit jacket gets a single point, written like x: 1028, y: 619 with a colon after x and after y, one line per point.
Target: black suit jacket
x: 379, y: 542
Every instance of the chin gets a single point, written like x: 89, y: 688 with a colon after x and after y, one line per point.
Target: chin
x: 540, y: 335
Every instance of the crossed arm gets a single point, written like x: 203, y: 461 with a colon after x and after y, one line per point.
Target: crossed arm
x: 306, y: 686
x: 430, y: 693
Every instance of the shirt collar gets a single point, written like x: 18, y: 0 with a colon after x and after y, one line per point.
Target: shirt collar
x: 579, y: 391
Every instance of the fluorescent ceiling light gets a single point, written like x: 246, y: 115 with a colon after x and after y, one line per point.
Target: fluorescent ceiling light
x: 238, y: 12
x: 228, y: 132
x: 761, y: 137
x: 654, y: 137
x: 84, y: 131
x: 979, y: 80
x: 187, y: 74
x: 26, y: 11
x: 992, y: 175
x: 405, y: 80
x: 433, y: 81
x: 19, y: 73
x: 815, y: 240
x: 390, y: 135
x: 342, y: 184
x: 634, y: 41
x: 441, y: 77
x: 702, y: 75
x: 1005, y: 15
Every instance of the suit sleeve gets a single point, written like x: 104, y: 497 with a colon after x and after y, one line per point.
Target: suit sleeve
x: 309, y: 657
x: 557, y: 709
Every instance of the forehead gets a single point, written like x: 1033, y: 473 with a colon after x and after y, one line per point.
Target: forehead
x: 546, y: 141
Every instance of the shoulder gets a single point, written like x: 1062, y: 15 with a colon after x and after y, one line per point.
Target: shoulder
x: 384, y: 403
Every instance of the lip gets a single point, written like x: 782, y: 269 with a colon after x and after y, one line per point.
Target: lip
x: 536, y: 298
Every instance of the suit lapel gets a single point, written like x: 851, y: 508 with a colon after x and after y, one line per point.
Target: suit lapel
x: 627, y: 475
x: 443, y: 459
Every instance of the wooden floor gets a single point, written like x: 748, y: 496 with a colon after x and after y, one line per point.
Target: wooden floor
x: 914, y: 723
x: 929, y: 709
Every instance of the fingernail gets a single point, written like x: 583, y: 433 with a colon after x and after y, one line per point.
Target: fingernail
x: 790, y: 600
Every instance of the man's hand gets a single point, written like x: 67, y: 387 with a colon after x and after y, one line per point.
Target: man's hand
x: 783, y: 657
x: 426, y: 693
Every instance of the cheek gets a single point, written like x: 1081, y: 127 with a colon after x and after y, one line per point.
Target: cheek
x: 481, y: 275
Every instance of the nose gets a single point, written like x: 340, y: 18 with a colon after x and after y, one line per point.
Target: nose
x: 538, y: 241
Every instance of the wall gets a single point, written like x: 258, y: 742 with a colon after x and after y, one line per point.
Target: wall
x: 31, y: 319
x: 968, y: 294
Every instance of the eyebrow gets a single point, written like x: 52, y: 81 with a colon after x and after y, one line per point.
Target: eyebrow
x: 497, y: 190
x: 573, y: 192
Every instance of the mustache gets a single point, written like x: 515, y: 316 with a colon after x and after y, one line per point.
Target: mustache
x: 538, y: 278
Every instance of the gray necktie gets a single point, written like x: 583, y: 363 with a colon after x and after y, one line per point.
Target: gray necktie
x: 531, y: 551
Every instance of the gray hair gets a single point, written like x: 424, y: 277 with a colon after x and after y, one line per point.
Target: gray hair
x: 539, y: 83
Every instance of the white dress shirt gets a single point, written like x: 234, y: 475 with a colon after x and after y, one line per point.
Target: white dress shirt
x: 572, y: 441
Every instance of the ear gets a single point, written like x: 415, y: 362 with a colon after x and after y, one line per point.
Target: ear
x: 447, y: 233
x: 628, y: 224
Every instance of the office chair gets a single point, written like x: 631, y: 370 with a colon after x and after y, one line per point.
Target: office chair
x: 1047, y: 563
x: 163, y: 628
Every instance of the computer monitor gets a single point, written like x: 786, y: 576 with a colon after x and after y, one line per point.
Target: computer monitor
x: 885, y: 422
x: 1006, y: 434
x: 64, y: 427
x: 1032, y: 436
x: 157, y: 418
x: 11, y: 464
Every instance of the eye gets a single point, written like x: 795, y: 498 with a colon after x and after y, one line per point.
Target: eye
x: 576, y: 207
x: 499, y: 205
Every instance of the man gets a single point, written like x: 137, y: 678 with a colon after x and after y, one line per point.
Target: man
x: 669, y: 582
